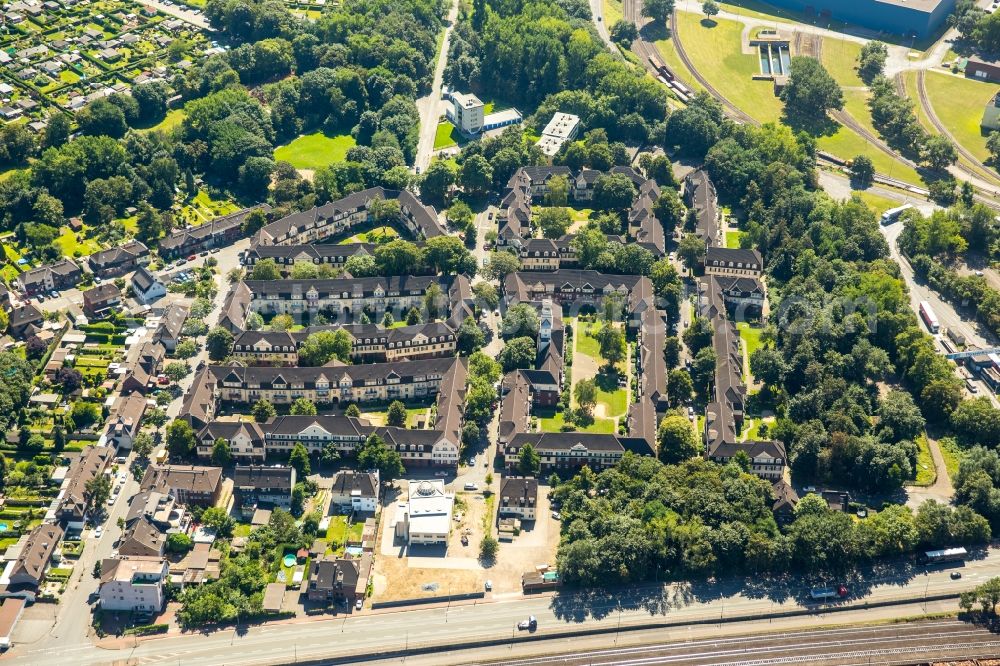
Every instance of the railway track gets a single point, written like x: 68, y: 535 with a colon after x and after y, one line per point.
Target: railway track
x: 932, y: 116
x: 731, y: 109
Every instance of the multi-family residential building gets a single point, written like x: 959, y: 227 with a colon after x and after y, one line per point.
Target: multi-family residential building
x: 699, y: 194
x: 767, y: 457
x: 355, y: 491
x: 367, y: 383
x: 343, y: 215
x: 190, y: 484
x: 168, y: 331
x: 643, y: 225
x: 518, y: 497
x: 345, y: 296
x: 342, y: 580
x: 263, y: 486
x: 119, y: 260
x: 567, y: 451
x: 220, y: 232
x: 73, y: 507
x: 576, y: 288
x: 125, y: 421
x: 147, y: 287
x: 64, y: 274
x: 562, y: 127
x: 319, y: 254
x: 733, y: 262
x: 245, y: 440
x: 133, y: 584
x: 25, y: 321
x: 100, y: 301
x: 140, y: 375
x: 370, y: 342
x: 467, y: 112
x: 34, y: 560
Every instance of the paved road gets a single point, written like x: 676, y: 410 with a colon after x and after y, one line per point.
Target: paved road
x: 182, y: 13
x: 434, y: 627
x: 597, y: 11
x: 431, y: 106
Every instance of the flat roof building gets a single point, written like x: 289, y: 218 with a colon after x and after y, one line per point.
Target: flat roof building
x: 561, y: 128
x: 901, y: 17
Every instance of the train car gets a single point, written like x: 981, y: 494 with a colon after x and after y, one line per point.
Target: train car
x: 682, y: 88
x: 682, y: 97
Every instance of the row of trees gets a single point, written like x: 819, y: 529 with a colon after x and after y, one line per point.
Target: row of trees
x: 643, y: 519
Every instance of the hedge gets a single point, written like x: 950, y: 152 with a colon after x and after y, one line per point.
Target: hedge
x: 147, y: 629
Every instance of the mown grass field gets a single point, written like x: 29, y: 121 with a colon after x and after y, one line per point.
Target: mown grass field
x: 312, y: 151
x: 958, y: 103
x: 716, y: 52
x: 554, y: 422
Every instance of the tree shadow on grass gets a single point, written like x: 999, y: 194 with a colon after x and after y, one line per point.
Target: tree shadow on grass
x: 815, y: 127
x: 708, y: 23
x: 655, y: 32
x: 607, y: 379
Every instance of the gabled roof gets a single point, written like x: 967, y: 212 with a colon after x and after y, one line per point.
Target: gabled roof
x: 143, y: 280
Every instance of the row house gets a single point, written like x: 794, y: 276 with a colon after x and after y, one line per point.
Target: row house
x: 319, y: 254
x: 220, y: 232
x: 376, y: 382
x: 64, y: 274
x: 569, y: 451
x: 342, y: 295
x: 100, y: 301
x: 699, y: 195
x: 369, y: 342
x: 337, y: 217
x: 119, y: 260
x: 190, y: 484
x: 73, y: 505
x: 745, y: 294
x: 574, y: 287
x: 767, y: 457
x: 263, y: 486
x: 643, y: 225
x: 733, y: 262
x: 439, y: 446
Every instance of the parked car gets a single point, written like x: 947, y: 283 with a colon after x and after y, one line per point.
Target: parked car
x: 465, y: 540
x: 471, y: 486
x: 490, y: 216
x: 358, y: 604
x: 54, y: 294
x: 488, y: 585
x: 556, y: 515
x: 192, y: 257
x: 99, y: 531
x: 955, y: 575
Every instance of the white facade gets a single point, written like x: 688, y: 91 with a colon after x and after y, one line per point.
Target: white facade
x: 467, y: 112
x: 135, y: 584
x: 562, y: 128
x: 425, y: 520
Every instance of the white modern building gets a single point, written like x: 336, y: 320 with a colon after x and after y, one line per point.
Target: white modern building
x: 562, y: 128
x: 467, y: 112
x: 133, y: 584
x: 425, y: 519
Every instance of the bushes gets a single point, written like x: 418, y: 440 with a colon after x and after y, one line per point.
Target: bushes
x: 147, y: 630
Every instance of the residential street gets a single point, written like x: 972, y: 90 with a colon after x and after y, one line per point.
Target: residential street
x: 431, y: 106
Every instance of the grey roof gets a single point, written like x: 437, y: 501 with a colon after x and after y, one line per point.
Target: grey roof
x: 216, y: 227
x: 745, y: 259
x: 261, y: 477
x: 142, y: 279
x: 41, y: 544
x: 118, y: 255
x: 348, y: 481
x: 403, y: 285
x: 404, y: 371
x: 172, y: 322
x: 518, y: 492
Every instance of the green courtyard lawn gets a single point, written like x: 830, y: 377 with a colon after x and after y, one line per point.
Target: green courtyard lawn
x: 312, y: 151
x: 203, y: 208
x: 958, y: 103
x: 733, y: 239
x: 339, y: 532
x: 614, y: 399
x: 550, y: 420
x: 373, y: 235
x: 586, y: 343
x: 751, y: 336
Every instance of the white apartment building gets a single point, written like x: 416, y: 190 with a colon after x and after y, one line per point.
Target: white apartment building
x: 467, y: 112
x: 133, y: 584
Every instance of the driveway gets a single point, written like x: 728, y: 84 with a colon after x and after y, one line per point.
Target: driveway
x: 431, y: 106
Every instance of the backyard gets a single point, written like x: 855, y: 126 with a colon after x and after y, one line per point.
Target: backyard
x: 315, y: 150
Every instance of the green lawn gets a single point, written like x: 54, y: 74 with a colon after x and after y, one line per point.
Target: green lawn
x: 958, y: 103
x: 750, y: 336
x: 447, y: 135
x: 372, y: 236
x: 612, y: 12
x: 554, y: 423
x: 615, y: 402
x: 70, y: 246
x: 173, y: 118
x: 733, y: 238
x: 586, y: 343
x: 716, y: 52
x: 338, y: 531
x: 952, y: 455
x: 311, y: 151
x: 877, y: 203
x: 926, y: 474
x: 840, y: 57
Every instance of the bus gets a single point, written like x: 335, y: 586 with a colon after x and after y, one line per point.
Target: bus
x: 941, y: 556
x: 891, y: 215
x: 930, y: 319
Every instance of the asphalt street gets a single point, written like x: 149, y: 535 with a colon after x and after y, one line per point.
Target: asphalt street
x: 431, y: 106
